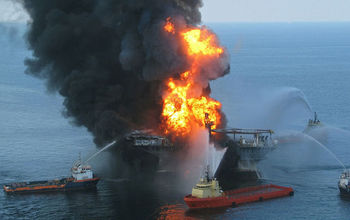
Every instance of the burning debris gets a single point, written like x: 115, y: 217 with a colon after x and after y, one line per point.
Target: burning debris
x: 123, y: 65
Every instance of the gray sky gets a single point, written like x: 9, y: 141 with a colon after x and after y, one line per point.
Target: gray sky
x: 275, y: 10
x: 239, y: 10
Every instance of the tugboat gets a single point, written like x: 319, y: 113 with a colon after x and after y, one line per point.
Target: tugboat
x: 208, y: 194
x: 315, y: 123
x: 82, y: 178
x: 343, y: 183
x: 207, y: 187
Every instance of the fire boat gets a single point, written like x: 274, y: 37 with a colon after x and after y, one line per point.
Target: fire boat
x: 312, y: 124
x: 343, y: 183
x: 82, y: 178
x: 207, y: 193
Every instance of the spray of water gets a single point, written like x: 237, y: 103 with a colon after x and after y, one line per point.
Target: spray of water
x: 214, y: 157
x: 325, y: 148
x: 278, y: 108
x: 103, y: 149
x: 339, y: 129
x: 199, y: 154
x: 284, y: 103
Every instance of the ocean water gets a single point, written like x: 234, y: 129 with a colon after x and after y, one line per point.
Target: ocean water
x: 280, y: 74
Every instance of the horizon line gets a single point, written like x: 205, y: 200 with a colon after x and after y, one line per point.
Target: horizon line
x: 220, y: 22
x: 345, y: 21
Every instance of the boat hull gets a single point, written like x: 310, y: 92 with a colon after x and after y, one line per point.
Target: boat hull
x: 239, y: 196
x: 45, y: 186
x: 81, y: 184
x: 344, y: 191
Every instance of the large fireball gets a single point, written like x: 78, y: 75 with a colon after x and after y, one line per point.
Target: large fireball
x: 181, y: 109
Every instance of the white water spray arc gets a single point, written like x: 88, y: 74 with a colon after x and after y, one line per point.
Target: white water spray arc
x: 103, y: 149
x: 325, y: 148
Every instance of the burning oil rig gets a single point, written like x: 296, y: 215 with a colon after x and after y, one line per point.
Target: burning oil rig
x: 186, y: 102
x: 244, y: 149
x: 152, y: 145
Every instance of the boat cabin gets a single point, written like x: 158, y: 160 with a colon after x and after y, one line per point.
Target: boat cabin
x: 82, y: 172
x: 207, y: 187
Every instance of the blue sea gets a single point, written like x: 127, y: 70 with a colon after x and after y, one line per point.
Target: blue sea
x: 280, y: 74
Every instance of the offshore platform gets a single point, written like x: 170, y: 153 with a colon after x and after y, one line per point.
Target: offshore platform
x: 251, y: 145
x: 244, y: 149
x: 146, y: 151
x: 160, y: 151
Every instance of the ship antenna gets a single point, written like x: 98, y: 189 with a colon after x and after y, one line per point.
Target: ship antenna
x: 315, y: 117
x: 207, y: 173
x: 208, y: 125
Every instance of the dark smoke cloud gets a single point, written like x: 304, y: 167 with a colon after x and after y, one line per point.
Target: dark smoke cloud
x: 108, y: 58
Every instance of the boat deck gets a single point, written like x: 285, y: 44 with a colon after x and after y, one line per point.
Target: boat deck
x: 253, y: 192
x: 240, y: 196
x: 37, y: 183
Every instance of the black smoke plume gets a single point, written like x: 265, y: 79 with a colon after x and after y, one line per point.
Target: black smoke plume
x: 109, y: 58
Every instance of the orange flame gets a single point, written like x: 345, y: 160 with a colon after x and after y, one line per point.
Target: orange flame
x: 182, y: 110
x: 201, y: 42
x: 169, y: 26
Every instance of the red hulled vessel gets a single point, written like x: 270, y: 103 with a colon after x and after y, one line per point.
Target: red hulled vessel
x: 208, y: 194
x: 82, y: 178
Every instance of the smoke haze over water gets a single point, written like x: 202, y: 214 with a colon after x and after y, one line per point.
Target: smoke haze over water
x: 109, y: 58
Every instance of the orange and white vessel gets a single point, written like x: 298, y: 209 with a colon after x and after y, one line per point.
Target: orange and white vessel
x: 82, y: 178
x: 208, y: 194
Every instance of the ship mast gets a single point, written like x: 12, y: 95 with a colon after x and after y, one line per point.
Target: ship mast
x: 207, y: 175
x: 315, y: 117
x: 208, y: 125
